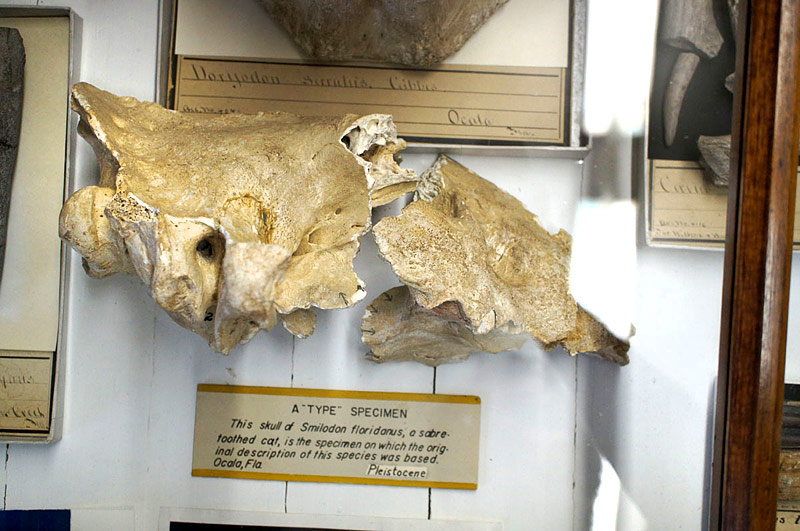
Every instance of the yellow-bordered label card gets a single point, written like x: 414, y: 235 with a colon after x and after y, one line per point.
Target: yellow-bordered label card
x: 286, y: 434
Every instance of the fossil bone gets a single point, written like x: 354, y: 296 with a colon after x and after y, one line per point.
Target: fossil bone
x: 12, y: 71
x: 396, y: 328
x: 480, y: 272
x: 682, y: 73
x: 733, y: 11
x: 715, y: 156
x: 688, y: 26
x: 411, y: 32
x: 231, y: 220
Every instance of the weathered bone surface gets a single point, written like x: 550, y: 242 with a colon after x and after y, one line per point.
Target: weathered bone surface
x: 396, y: 328
x: 12, y: 72
x: 411, y: 32
x: 733, y: 11
x: 689, y: 26
x: 681, y: 76
x: 234, y: 220
x: 481, y: 274
x: 730, y: 82
x: 715, y: 156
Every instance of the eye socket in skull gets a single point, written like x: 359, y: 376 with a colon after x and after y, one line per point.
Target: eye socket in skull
x: 205, y: 248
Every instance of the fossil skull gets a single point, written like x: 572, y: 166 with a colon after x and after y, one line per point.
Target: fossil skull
x: 232, y: 221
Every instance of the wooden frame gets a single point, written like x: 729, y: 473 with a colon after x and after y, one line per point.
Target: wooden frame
x: 757, y: 267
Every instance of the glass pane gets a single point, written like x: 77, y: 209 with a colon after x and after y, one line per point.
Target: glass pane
x: 559, y: 138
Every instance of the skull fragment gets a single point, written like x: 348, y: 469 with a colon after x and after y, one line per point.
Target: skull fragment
x: 480, y: 274
x: 232, y: 221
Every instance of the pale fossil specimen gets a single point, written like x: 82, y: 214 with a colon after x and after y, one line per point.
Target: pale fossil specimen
x: 231, y: 221
x: 480, y: 274
x: 411, y: 32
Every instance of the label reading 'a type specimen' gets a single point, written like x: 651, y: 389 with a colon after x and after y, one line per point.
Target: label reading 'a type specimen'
x: 402, y: 439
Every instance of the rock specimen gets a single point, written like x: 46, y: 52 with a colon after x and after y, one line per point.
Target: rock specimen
x: 480, y: 273
x: 688, y: 26
x: 12, y: 71
x: 715, y: 156
x: 410, y: 32
x: 232, y: 221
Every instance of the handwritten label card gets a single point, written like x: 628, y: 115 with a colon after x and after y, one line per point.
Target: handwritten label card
x: 473, y: 104
x: 686, y: 209
x: 25, y: 385
x: 401, y: 439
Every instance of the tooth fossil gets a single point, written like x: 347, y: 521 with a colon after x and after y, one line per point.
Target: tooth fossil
x: 682, y: 73
x: 232, y: 221
x: 480, y: 274
x: 688, y: 26
x: 411, y: 32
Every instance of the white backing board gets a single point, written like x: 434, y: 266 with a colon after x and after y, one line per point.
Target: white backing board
x: 242, y: 28
x: 29, y: 288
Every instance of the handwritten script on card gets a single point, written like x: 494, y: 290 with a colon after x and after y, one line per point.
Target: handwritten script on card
x: 25, y: 384
x: 465, y: 104
x: 685, y: 209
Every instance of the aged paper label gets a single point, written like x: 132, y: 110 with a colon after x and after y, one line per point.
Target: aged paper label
x: 25, y: 385
x: 402, y: 439
x: 685, y: 209
x: 787, y: 518
x: 449, y: 103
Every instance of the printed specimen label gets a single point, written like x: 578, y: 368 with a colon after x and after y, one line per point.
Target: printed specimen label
x: 403, y: 439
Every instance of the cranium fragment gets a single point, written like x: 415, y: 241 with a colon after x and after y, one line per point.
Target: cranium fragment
x: 231, y: 221
x: 481, y: 274
x: 411, y: 32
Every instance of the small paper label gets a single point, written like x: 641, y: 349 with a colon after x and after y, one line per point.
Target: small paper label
x: 25, y: 384
x: 463, y: 103
x: 402, y: 439
x: 787, y: 519
x: 686, y: 209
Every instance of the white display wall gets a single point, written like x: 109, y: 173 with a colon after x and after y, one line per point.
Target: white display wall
x: 552, y: 426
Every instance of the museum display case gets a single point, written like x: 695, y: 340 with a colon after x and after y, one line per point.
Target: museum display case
x: 483, y: 265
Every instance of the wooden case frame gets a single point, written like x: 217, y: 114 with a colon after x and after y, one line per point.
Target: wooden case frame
x: 757, y: 267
